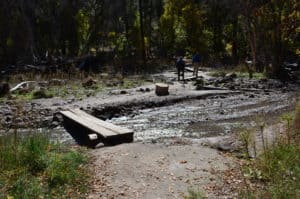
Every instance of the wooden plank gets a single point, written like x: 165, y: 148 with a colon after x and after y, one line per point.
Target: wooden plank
x: 190, y: 78
x: 109, y: 126
x: 93, y: 136
x: 189, y: 69
x: 97, y: 128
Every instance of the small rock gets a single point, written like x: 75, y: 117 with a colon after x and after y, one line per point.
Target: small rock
x: 89, y: 82
x: 54, y: 124
x: 57, y: 117
x: 123, y: 92
x: 8, y: 119
x: 183, y: 162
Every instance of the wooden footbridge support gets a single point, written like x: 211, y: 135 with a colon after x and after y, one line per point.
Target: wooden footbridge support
x: 89, y: 131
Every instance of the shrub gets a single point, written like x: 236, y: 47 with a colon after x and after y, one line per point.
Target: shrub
x: 41, y: 94
x: 277, y: 170
x: 281, y: 168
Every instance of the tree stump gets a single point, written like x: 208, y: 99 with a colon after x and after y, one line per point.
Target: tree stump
x: 4, y: 89
x: 161, y: 89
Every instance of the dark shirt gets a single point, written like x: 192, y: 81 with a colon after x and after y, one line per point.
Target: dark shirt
x: 196, y: 58
x: 180, y: 64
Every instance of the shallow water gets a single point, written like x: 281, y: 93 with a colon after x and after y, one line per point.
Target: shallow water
x: 209, y: 117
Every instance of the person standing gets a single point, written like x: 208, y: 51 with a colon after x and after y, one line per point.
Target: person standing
x: 180, y: 65
x: 196, y: 63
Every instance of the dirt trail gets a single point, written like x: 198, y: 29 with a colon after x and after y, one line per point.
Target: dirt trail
x: 151, y: 171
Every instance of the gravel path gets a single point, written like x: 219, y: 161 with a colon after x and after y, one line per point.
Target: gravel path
x: 151, y: 171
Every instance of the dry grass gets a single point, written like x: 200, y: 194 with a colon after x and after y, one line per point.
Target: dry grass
x: 296, y: 122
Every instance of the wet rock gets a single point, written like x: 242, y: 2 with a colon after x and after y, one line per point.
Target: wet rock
x: 123, y: 92
x: 33, y: 104
x: 222, y: 143
x: 57, y: 117
x: 199, y: 84
x: 54, y: 124
x: 147, y: 89
x: 18, y: 120
x: 231, y: 76
x: 5, y: 112
x: 70, y: 101
x: 8, y: 119
x: 222, y: 112
x: 227, y: 78
x: 232, y: 87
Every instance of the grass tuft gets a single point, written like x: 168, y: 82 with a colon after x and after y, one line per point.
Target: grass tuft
x: 193, y: 194
x: 33, y: 167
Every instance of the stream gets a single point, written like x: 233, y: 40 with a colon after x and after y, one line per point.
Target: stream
x: 214, y: 116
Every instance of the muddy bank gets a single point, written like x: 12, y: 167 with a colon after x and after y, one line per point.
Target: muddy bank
x: 131, y: 107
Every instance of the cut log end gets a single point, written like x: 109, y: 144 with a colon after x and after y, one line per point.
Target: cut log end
x: 161, y: 89
x: 93, y: 136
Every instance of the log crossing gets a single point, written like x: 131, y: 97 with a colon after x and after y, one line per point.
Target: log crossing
x: 89, y: 130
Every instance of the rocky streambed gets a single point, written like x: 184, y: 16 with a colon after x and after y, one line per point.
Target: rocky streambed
x: 210, y: 117
x: 186, y: 112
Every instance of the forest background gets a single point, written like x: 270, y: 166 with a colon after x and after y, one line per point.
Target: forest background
x: 132, y: 33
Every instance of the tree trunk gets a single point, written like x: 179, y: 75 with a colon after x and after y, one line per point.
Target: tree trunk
x: 278, y: 44
x: 142, y: 34
x: 235, y: 40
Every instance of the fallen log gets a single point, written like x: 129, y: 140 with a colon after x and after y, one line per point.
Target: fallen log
x: 23, y: 85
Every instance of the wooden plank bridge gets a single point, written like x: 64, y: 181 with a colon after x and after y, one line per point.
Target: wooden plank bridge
x: 89, y: 131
